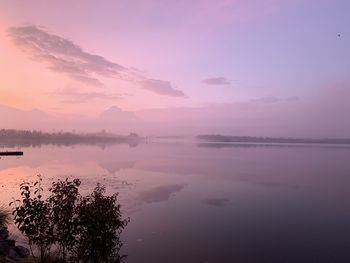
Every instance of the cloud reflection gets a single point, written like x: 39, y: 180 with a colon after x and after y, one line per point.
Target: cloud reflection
x: 217, y: 202
x: 160, y: 193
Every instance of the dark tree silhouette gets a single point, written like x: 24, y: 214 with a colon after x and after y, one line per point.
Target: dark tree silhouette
x: 67, y: 227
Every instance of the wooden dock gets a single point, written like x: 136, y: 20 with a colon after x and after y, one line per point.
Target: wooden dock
x: 7, y: 153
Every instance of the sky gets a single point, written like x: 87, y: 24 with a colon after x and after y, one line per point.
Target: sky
x: 273, y: 67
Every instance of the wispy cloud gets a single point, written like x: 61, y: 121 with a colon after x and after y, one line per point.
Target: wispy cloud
x: 268, y: 100
x: 64, y: 56
x: 276, y: 99
x: 161, y: 87
x: 217, y: 81
x: 71, y: 95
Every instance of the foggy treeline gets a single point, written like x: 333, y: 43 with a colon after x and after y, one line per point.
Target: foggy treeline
x: 251, y: 139
x: 26, y: 138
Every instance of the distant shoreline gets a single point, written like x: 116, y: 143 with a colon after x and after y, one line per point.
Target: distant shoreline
x: 22, y: 138
x: 216, y: 138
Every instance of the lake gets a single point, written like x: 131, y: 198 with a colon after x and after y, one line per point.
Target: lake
x: 191, y: 202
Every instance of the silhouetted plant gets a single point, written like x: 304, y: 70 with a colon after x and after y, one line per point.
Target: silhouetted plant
x: 32, y: 217
x: 82, y: 229
x: 63, y: 202
x: 101, y: 224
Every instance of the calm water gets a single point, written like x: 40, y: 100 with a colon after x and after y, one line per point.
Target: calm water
x: 211, y: 203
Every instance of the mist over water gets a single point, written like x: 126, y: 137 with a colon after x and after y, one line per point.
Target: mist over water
x: 191, y: 202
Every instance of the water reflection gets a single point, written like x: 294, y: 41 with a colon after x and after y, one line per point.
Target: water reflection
x: 217, y: 202
x: 214, y: 204
x: 160, y: 193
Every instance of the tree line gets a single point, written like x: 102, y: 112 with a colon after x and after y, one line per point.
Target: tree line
x: 25, y: 138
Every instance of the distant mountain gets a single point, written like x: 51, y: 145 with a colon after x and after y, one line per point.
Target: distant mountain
x: 21, y: 119
x: 113, y: 119
x: 117, y: 114
x: 117, y: 120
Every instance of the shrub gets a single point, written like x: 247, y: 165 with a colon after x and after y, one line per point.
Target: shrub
x: 63, y: 202
x: 101, y: 224
x: 82, y: 229
x: 32, y: 217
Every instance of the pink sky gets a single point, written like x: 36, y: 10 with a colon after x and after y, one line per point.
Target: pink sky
x: 83, y: 57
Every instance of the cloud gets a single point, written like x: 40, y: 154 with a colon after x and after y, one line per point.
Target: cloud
x: 87, y: 80
x: 63, y: 56
x: 161, y: 87
x: 217, y: 81
x: 74, y: 96
x: 268, y: 100
x: 276, y: 99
